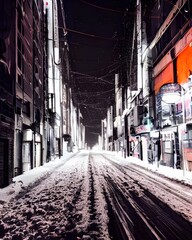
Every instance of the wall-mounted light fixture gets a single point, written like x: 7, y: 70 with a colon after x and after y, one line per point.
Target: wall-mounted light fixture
x: 170, y: 93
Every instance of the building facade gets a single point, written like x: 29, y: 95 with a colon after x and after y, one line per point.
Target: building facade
x: 158, y: 65
x: 36, y: 107
x: 7, y: 89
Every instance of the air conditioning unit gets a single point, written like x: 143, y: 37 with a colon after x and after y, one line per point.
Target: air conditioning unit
x: 138, y: 115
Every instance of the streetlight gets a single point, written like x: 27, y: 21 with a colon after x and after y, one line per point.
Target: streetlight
x: 170, y: 93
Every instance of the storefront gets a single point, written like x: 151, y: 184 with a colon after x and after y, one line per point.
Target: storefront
x: 170, y: 147
x: 154, y: 146
x: 139, y: 142
x: 187, y: 147
x: 27, y: 150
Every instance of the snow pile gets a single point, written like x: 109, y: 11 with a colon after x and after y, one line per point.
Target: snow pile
x: 179, y: 175
x: 22, y: 181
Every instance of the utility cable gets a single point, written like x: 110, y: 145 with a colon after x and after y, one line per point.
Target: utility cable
x: 179, y: 9
x: 109, y: 66
x: 102, y: 8
x: 95, y: 94
x: 86, y: 75
x: 90, y: 35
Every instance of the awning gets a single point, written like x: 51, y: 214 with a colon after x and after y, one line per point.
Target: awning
x: 166, y: 76
x: 184, y: 65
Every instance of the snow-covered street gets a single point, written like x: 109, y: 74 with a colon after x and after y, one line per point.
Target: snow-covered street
x: 96, y: 196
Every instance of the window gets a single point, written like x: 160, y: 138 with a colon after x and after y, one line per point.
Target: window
x: 26, y: 108
x: 20, y: 80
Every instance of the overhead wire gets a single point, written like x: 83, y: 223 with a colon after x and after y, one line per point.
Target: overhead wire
x: 93, y: 94
x: 90, y: 35
x: 87, y: 45
x: 104, y: 68
x: 102, y: 8
x: 93, y: 78
x: 113, y: 10
x: 99, y: 78
x: 109, y: 66
x: 179, y: 9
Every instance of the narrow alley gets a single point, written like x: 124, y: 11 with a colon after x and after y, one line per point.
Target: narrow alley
x: 93, y: 195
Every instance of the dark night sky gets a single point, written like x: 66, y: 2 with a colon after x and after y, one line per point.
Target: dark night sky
x: 94, y: 34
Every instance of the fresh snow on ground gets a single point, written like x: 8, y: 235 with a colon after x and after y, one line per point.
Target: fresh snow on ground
x: 78, y: 195
x: 33, y: 175
x: 175, y: 174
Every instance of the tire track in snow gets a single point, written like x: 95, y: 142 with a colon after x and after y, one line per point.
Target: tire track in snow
x: 131, y: 223
x: 116, y: 229
x: 161, y: 185
x: 160, y: 217
x: 183, y: 199
x: 91, y: 200
x: 96, y: 229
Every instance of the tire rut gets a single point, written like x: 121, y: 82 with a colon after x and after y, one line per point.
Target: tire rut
x: 158, y: 185
x: 93, y: 227
x: 131, y: 222
x: 148, y: 214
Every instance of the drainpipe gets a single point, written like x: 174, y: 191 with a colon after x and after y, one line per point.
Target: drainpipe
x: 139, y: 46
x: 33, y: 119
x: 173, y: 106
